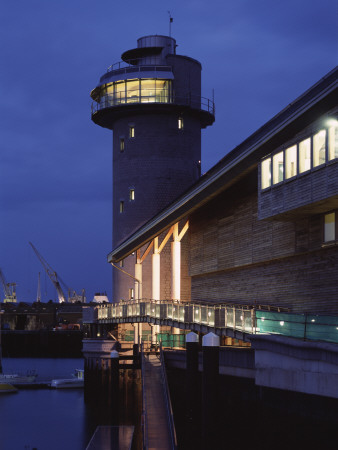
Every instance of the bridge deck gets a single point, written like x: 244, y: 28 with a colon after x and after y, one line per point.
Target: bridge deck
x: 158, y: 430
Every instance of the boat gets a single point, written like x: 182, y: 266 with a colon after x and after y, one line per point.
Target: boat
x: 77, y: 381
x: 17, y: 379
x: 6, y: 388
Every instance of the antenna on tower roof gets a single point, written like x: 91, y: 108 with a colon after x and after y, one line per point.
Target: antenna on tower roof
x: 170, y: 22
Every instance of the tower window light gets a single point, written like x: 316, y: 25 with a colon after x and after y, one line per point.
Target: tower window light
x: 122, y: 144
x: 180, y: 123
x: 131, y: 131
x: 121, y: 206
x: 131, y: 194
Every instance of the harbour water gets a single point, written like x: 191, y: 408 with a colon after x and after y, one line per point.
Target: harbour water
x: 45, y: 419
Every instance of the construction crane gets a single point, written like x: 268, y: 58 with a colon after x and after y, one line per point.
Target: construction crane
x: 55, y: 279
x: 8, y: 288
x: 52, y: 275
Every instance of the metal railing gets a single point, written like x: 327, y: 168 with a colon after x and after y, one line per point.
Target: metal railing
x: 161, y: 97
x: 169, y: 410
x: 246, y: 319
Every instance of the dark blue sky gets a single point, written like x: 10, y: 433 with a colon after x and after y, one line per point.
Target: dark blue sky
x: 55, y: 164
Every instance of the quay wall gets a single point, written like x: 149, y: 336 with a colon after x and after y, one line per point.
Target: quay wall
x: 42, y: 343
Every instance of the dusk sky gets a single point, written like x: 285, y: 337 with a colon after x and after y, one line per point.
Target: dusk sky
x: 55, y: 163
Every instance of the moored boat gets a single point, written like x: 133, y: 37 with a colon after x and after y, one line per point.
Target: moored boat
x: 17, y: 379
x: 77, y: 381
x: 6, y: 388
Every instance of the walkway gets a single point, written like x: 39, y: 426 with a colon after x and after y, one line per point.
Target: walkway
x: 157, y: 425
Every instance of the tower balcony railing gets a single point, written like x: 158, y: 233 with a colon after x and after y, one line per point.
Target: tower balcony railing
x: 139, y: 65
x: 245, y: 319
x: 161, y: 96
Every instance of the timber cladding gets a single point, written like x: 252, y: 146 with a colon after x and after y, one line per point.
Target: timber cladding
x: 234, y: 257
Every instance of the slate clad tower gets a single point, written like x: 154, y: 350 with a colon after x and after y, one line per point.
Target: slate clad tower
x: 152, y: 102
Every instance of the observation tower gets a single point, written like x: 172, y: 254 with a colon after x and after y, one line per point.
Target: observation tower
x: 152, y: 102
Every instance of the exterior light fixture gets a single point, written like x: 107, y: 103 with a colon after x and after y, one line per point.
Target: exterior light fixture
x: 312, y: 320
x: 281, y: 323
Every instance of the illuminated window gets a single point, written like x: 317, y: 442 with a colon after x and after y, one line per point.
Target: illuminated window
x: 122, y: 263
x: 180, y: 123
x: 305, y: 155
x: 278, y: 169
x: 121, y: 206
x: 266, y: 173
x: 291, y: 161
x: 133, y: 91
x: 131, y: 194
x: 131, y: 131
x: 319, y: 147
x: 333, y: 141
x: 131, y: 293
x: 122, y: 144
x: 329, y: 227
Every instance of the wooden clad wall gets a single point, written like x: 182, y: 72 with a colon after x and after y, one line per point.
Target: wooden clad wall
x: 234, y: 257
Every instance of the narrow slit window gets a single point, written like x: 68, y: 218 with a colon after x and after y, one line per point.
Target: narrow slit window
x: 121, y: 206
x: 329, y: 227
x: 131, y: 293
x: 122, y: 144
x: 131, y: 131
x: 122, y: 263
x: 180, y: 123
x: 131, y: 194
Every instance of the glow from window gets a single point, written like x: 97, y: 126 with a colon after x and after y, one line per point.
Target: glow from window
x: 266, y: 173
x: 131, y: 131
x: 180, y: 123
x: 305, y: 155
x: 121, y: 144
x: 278, y: 169
x: 291, y: 161
x: 121, y: 206
x: 131, y: 194
x: 319, y: 147
x: 329, y: 227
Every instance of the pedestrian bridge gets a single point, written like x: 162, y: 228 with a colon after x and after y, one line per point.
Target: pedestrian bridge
x: 236, y: 321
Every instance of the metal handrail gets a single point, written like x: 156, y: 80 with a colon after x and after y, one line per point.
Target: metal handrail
x: 162, y: 97
x: 169, y: 410
x: 144, y: 419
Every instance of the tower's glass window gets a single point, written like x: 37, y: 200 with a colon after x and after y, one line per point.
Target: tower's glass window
x: 131, y: 131
x: 319, y: 147
x: 333, y: 141
x: 329, y: 227
x: 119, y: 93
x: 121, y: 206
x: 133, y: 91
x: 122, y: 263
x: 131, y: 293
x: 291, y: 161
x: 180, y: 123
x: 305, y: 155
x: 122, y: 144
x: 266, y: 173
x: 278, y: 167
x: 131, y: 194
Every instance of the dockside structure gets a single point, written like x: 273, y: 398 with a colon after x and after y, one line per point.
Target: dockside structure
x: 152, y: 102
x: 262, y: 223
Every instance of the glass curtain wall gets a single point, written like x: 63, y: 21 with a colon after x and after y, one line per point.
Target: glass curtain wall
x: 150, y: 90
